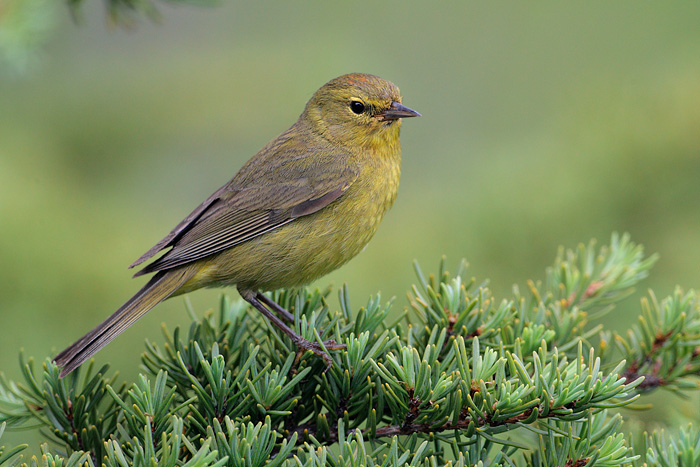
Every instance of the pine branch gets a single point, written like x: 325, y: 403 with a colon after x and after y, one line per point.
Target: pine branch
x: 465, y: 378
x: 664, y: 347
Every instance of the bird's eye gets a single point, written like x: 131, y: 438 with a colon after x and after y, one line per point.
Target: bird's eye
x: 357, y: 107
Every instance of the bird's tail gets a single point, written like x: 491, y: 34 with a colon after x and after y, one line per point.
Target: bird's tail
x: 160, y: 287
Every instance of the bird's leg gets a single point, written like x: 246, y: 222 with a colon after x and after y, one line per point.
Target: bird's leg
x: 256, y: 299
x: 274, y: 306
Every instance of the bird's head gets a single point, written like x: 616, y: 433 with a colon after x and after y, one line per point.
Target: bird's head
x: 358, y: 110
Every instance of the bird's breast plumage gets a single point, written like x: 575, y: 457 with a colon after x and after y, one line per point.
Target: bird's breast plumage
x: 313, y: 245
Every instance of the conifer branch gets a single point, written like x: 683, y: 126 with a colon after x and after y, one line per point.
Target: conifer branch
x: 462, y: 377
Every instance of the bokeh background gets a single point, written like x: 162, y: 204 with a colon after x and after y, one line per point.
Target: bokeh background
x: 544, y: 124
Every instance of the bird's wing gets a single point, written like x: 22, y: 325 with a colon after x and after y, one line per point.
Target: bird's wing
x: 187, y: 222
x: 268, y: 192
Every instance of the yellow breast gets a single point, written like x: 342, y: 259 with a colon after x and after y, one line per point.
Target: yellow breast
x: 314, y: 245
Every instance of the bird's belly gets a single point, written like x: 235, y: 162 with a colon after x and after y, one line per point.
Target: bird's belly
x: 296, y: 253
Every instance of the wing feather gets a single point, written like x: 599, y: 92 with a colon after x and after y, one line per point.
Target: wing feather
x: 267, y: 193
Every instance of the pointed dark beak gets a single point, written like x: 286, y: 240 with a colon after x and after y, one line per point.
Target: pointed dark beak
x: 397, y: 111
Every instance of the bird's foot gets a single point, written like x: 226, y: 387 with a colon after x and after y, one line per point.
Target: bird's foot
x: 316, y: 348
x: 257, y: 299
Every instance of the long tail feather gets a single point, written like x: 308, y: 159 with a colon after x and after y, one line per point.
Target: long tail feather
x: 160, y: 287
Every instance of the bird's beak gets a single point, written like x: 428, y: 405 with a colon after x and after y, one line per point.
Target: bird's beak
x: 397, y: 111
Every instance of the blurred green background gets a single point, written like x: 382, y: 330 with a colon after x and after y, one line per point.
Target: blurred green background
x: 544, y: 124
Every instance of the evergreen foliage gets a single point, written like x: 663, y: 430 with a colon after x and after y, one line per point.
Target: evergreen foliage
x: 461, y: 378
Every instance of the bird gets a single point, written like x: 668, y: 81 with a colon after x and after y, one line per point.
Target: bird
x: 305, y: 204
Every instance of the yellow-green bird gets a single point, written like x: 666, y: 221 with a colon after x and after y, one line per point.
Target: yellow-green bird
x: 305, y: 204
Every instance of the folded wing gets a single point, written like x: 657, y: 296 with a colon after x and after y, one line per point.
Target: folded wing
x: 270, y: 191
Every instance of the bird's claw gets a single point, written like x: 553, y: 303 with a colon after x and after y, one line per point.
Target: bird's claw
x: 316, y: 348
